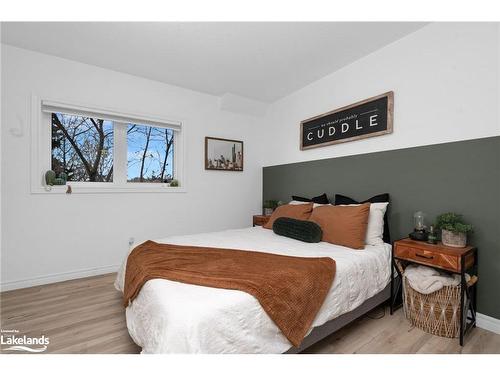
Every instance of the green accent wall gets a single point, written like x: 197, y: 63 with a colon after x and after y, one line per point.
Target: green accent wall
x: 462, y: 177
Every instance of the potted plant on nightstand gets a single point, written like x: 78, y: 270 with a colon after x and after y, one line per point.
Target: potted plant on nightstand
x: 453, y: 229
x: 269, y: 206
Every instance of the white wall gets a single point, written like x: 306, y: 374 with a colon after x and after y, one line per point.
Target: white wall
x: 53, y: 237
x: 445, y: 82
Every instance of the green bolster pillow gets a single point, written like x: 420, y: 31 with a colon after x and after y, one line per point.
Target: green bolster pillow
x: 301, y: 230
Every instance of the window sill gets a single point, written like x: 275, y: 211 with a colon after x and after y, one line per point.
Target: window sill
x: 86, y: 189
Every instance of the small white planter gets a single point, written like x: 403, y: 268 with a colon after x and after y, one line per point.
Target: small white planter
x: 453, y: 239
x: 268, y: 211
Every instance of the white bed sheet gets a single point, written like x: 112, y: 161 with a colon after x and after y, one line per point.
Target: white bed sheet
x: 173, y: 317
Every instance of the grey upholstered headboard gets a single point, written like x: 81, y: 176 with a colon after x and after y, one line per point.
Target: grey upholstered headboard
x: 463, y: 177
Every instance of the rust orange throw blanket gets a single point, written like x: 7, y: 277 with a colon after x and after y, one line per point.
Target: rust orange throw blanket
x: 290, y: 289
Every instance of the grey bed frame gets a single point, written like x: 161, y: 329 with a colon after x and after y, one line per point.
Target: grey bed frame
x: 319, y: 333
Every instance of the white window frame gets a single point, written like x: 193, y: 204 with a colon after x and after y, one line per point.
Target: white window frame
x: 41, y: 151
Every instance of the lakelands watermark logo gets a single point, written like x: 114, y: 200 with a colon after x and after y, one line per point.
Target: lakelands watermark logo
x: 11, y: 340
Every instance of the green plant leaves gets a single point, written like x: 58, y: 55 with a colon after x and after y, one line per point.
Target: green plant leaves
x: 453, y: 222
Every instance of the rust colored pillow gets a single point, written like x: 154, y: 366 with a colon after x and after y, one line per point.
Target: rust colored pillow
x: 295, y: 211
x: 343, y: 225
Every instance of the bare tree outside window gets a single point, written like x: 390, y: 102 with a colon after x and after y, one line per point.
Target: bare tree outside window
x: 150, y: 153
x: 82, y: 147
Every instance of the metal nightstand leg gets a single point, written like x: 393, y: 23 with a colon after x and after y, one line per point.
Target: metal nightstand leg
x: 468, y: 300
x: 396, y: 285
x: 463, y: 309
x: 474, y: 296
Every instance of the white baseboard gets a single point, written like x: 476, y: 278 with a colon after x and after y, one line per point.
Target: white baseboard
x: 57, y: 277
x: 488, y: 323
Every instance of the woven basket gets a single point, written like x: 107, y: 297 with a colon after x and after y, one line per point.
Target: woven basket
x: 437, y: 313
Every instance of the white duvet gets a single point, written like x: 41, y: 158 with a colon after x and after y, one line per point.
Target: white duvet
x: 173, y: 317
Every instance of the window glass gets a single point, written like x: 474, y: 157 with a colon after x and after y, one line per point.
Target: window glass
x: 150, y: 153
x: 82, y: 148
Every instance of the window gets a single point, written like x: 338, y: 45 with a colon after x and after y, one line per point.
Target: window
x: 82, y: 147
x: 150, y: 153
x: 103, y: 150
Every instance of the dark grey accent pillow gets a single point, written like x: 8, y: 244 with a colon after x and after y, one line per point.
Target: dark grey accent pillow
x: 320, y: 199
x: 301, y: 230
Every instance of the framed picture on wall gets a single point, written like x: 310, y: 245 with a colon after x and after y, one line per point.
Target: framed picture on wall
x: 223, y: 154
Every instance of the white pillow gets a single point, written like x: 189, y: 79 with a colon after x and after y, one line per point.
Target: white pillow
x: 297, y: 202
x: 375, y: 229
x: 314, y: 204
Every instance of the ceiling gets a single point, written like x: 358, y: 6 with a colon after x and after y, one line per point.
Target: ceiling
x: 261, y: 61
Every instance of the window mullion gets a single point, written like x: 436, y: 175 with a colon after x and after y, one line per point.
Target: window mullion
x: 176, y: 170
x: 120, y: 156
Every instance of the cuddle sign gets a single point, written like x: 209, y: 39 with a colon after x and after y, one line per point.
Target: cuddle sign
x: 367, y: 118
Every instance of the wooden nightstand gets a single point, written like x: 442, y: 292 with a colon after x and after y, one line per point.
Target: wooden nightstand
x: 445, y: 258
x: 260, y: 219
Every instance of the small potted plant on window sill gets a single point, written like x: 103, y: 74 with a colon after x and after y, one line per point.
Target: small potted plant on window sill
x: 453, y: 229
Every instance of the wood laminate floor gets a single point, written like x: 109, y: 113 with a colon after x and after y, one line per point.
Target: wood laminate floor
x: 87, y: 316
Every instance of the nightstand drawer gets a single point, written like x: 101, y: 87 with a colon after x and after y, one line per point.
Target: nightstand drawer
x: 428, y: 257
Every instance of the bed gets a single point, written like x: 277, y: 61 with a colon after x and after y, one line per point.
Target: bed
x: 173, y: 317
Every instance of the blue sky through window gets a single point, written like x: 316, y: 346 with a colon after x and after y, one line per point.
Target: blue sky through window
x: 149, y: 153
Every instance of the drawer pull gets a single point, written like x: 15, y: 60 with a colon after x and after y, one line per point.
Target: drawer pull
x: 425, y: 256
